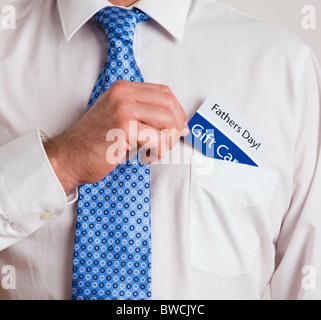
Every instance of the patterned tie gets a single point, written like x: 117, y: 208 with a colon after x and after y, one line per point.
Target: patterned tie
x: 112, y: 257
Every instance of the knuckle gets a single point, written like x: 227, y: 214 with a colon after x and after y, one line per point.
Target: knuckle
x: 165, y: 88
x: 118, y: 88
x: 120, y: 84
x: 171, y: 100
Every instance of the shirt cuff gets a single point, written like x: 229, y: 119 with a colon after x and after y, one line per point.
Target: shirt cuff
x: 30, y: 192
x: 72, y: 196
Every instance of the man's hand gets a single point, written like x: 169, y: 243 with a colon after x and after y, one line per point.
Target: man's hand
x: 80, y: 154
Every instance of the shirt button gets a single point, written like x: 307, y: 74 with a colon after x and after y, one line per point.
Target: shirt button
x: 46, y: 215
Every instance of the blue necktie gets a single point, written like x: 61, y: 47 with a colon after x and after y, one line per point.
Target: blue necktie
x: 112, y: 256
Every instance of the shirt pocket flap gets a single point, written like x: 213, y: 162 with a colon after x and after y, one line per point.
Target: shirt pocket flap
x: 236, y: 184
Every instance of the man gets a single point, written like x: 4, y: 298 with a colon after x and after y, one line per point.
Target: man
x: 225, y: 234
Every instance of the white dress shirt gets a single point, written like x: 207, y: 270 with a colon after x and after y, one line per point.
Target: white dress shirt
x: 225, y: 234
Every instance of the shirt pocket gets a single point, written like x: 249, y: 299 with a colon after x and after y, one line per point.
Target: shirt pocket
x: 228, y: 214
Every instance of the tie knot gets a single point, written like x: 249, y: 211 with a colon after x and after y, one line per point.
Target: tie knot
x: 119, y: 23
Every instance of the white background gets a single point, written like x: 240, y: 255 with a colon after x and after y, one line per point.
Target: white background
x: 286, y: 13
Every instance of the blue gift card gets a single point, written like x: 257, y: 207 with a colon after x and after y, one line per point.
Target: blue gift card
x: 220, y: 133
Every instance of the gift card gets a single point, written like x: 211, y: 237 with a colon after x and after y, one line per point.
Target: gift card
x: 221, y: 133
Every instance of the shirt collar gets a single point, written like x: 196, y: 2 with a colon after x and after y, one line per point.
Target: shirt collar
x: 170, y: 14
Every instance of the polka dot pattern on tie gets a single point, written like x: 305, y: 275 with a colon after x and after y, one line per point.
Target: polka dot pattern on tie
x: 112, y: 256
x: 119, y: 25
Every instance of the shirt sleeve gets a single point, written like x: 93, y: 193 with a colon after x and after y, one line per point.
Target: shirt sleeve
x: 30, y: 193
x: 298, y: 248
